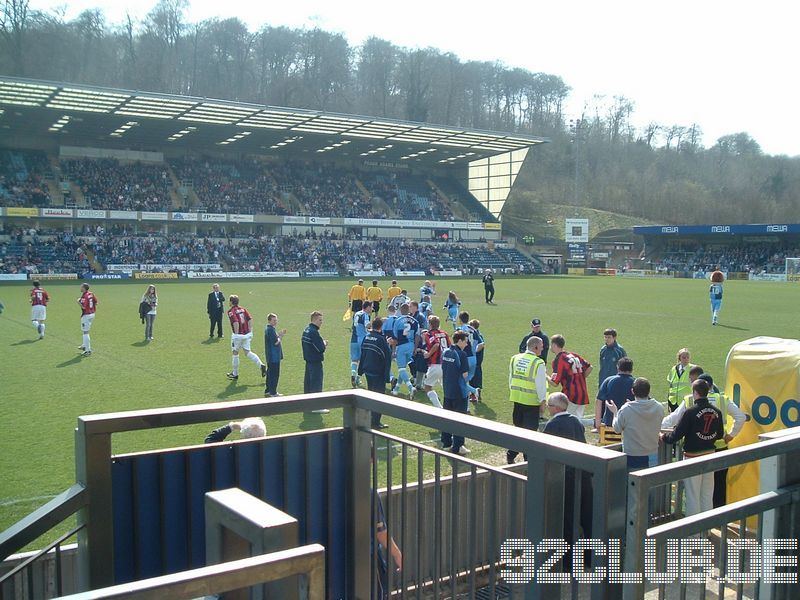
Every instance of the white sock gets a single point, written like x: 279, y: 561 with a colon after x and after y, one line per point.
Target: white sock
x: 87, y: 342
x: 434, y: 398
x: 236, y: 364
x: 254, y: 357
x: 36, y: 325
x: 41, y: 331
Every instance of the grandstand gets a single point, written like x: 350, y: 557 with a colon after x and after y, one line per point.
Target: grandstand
x: 171, y: 168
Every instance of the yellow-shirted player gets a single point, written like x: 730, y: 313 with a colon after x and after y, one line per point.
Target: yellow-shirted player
x: 392, y: 292
x: 356, y: 296
x: 375, y: 295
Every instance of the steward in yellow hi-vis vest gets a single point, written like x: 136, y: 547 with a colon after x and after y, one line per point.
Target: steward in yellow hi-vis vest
x: 527, y: 384
x: 678, y: 379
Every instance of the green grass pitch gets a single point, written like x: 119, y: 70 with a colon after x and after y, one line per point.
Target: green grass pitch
x: 46, y: 385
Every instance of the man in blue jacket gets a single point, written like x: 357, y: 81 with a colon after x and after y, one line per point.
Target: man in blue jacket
x: 313, y: 353
x: 376, y: 363
x: 273, y: 352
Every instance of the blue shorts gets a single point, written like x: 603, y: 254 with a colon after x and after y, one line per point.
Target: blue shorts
x: 472, y: 363
x: 355, y: 351
x: 405, y: 354
x: 452, y: 312
x: 716, y: 304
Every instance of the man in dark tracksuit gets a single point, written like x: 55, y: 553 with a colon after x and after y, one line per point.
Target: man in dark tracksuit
x: 215, y: 307
x: 376, y: 364
x: 273, y: 354
x: 313, y: 353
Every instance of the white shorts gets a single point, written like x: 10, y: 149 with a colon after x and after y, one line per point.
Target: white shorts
x: 86, y: 322
x: 433, y: 376
x: 575, y: 409
x: 38, y: 312
x: 241, y: 341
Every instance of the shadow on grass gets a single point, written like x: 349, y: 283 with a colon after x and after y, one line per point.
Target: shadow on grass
x: 311, y: 421
x: 70, y: 362
x: 214, y: 340
x: 483, y: 410
x: 25, y: 342
x: 732, y: 327
x: 234, y: 388
x: 141, y: 343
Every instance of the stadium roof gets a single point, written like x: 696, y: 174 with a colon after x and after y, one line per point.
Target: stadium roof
x: 88, y: 115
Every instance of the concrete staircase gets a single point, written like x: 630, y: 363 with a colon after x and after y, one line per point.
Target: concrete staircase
x: 459, y: 210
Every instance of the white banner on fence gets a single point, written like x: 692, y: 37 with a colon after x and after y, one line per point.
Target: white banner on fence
x: 290, y: 220
x: 215, y: 217
x: 241, y: 218
x: 242, y: 274
x: 399, y: 273
x: 154, y: 216
x: 121, y: 214
x: 767, y: 277
x: 181, y: 267
x: 184, y: 216
x: 319, y: 220
x: 63, y: 213
x: 85, y: 213
x: 13, y: 276
x: 369, y: 274
x: 450, y: 274
x: 123, y: 268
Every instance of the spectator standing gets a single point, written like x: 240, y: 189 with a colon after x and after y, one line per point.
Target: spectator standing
x: 273, y: 354
x: 678, y: 379
x: 568, y: 426
x: 732, y: 417
x: 618, y: 389
x: 610, y: 353
x: 88, y: 302
x: 242, y: 336
x: 313, y: 354
x: 536, y: 330
x: 376, y: 363
x: 699, y: 428
x: 639, y: 422
x: 527, y: 384
x: 151, y: 299
x: 39, y: 300
x: 454, y: 374
x: 570, y: 370
x: 215, y: 307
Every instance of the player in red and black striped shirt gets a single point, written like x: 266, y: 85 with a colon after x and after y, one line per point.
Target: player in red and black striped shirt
x: 436, y: 342
x: 39, y: 300
x: 570, y: 370
x: 242, y: 326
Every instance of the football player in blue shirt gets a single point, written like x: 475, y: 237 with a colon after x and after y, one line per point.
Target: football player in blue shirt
x: 406, y: 332
x: 715, y: 294
x: 426, y: 290
x: 472, y: 347
x: 451, y: 306
x: 360, y: 325
x: 426, y: 309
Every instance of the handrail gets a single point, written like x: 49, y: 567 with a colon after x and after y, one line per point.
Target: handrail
x: 32, y: 559
x: 305, y: 560
x: 42, y: 520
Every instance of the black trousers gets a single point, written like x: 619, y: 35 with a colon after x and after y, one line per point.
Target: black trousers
x: 489, y: 291
x: 312, y: 381
x: 460, y: 405
x: 527, y: 417
x: 376, y: 383
x: 273, y: 374
x: 216, y: 319
x: 376, y: 306
x: 356, y: 305
x: 720, y: 487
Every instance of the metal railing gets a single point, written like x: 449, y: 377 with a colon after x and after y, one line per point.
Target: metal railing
x: 307, y: 561
x: 776, y: 510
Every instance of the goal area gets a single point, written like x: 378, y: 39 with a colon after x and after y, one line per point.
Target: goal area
x: 793, y: 269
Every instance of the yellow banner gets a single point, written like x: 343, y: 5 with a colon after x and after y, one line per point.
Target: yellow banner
x: 576, y: 271
x: 16, y: 211
x: 491, y: 226
x: 763, y: 378
x: 144, y: 275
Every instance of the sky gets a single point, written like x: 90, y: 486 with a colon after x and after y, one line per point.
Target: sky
x: 727, y: 66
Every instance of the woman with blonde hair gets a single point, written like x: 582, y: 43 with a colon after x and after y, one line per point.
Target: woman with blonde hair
x: 150, y: 298
x: 678, y: 379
